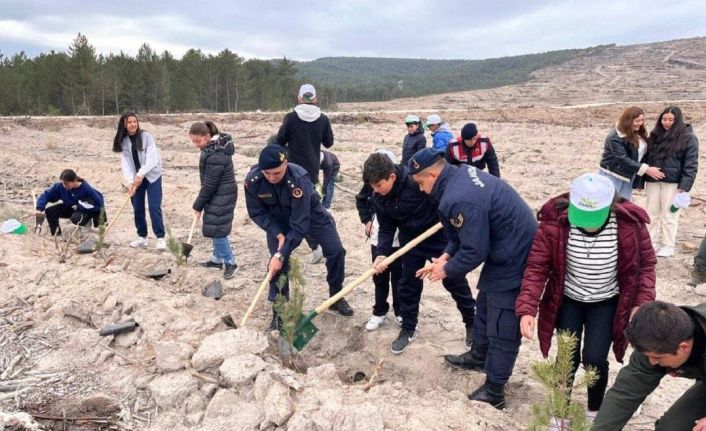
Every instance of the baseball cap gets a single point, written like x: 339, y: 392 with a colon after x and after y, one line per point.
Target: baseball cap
x: 590, y: 198
x: 307, y: 92
x: 271, y: 157
x: 422, y: 159
x: 412, y: 119
x: 432, y: 119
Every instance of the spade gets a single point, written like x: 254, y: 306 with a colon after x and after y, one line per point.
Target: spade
x: 186, y: 247
x: 306, y: 330
x: 38, y: 217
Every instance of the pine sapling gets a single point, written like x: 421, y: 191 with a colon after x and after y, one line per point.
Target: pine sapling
x: 290, y: 311
x: 174, y: 246
x: 558, y: 412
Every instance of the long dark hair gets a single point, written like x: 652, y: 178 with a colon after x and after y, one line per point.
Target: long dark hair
x: 121, y: 133
x: 625, y: 126
x: 69, y: 175
x: 665, y: 143
x: 205, y: 128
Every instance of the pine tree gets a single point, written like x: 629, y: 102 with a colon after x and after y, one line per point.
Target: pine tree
x: 290, y: 310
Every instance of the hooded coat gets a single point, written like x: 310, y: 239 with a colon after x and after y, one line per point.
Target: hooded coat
x: 442, y: 136
x: 302, y: 132
x: 219, y: 190
x: 543, y: 280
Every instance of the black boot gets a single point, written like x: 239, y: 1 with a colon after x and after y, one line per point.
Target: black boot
x: 276, y: 322
x: 491, y: 393
x: 471, y: 360
x: 341, y: 307
x: 697, y: 277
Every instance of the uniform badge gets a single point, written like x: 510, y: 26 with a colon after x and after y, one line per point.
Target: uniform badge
x: 281, y: 157
x: 457, y: 221
x: 297, y: 192
x: 415, y: 164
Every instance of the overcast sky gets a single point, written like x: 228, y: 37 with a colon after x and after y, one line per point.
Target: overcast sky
x: 306, y: 30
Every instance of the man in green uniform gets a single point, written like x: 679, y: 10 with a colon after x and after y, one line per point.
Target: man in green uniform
x: 668, y: 340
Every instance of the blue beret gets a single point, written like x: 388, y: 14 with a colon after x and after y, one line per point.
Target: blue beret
x: 422, y: 159
x: 271, y: 156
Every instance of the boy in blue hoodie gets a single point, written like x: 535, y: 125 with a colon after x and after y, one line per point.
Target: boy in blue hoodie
x: 440, y: 132
x: 80, y: 202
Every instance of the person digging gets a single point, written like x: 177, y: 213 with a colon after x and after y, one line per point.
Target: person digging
x: 281, y: 200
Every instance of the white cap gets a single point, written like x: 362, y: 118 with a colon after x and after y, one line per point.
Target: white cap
x: 390, y: 155
x: 433, y: 119
x: 590, y: 198
x: 307, y: 88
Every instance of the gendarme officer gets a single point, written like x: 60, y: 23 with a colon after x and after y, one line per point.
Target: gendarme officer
x: 486, y: 222
x: 281, y: 200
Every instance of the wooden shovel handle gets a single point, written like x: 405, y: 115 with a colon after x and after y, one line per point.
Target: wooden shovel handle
x: 191, y: 230
x: 34, y: 199
x: 265, y: 282
x: 115, y: 219
x: 369, y: 273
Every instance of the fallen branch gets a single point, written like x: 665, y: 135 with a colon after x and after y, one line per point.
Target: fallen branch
x: 94, y: 419
x: 375, y: 376
x: 11, y: 366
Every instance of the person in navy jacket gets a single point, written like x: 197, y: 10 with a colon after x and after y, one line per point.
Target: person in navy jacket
x: 486, y: 222
x: 80, y: 202
x: 281, y: 199
x: 399, y: 204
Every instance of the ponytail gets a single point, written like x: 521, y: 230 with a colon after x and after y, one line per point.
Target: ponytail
x: 206, y: 128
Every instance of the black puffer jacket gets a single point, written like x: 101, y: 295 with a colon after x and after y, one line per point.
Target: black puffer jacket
x: 679, y: 168
x: 619, y: 156
x: 219, y: 190
x: 413, y: 143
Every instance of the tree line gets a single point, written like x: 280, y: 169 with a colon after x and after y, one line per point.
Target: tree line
x: 79, y: 82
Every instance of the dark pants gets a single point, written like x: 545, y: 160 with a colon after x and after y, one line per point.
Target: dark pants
x: 53, y: 214
x: 496, y: 332
x: 700, y: 258
x: 154, y: 201
x: 597, y: 319
x: 689, y: 408
x: 325, y: 235
x: 383, y: 282
x: 327, y: 189
x: 410, y: 292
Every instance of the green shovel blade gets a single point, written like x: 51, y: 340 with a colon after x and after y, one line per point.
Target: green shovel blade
x: 304, y: 331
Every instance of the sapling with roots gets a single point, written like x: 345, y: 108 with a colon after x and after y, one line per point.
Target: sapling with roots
x: 558, y: 412
x: 290, y: 310
x: 174, y: 246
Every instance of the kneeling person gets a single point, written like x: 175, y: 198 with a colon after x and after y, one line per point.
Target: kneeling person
x: 281, y: 199
x: 80, y: 202
x: 399, y: 204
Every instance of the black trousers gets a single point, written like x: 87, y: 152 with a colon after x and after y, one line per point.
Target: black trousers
x: 689, y: 408
x: 384, y: 282
x: 597, y: 319
x: 53, y: 214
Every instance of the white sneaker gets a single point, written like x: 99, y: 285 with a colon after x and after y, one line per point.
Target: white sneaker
x: 161, y: 244
x: 398, y: 320
x: 139, y: 242
x: 374, y: 322
x: 316, y: 255
x: 666, y: 252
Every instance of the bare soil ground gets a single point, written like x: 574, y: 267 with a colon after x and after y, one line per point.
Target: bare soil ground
x: 55, y: 366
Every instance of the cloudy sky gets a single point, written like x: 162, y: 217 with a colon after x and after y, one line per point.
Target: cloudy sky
x: 306, y: 30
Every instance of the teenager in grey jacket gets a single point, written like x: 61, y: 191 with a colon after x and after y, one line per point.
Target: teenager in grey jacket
x: 142, y: 171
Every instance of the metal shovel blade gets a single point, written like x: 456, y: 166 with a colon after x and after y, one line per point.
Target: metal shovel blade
x: 305, y: 330
x: 88, y: 246
x: 186, y: 249
x: 39, y: 219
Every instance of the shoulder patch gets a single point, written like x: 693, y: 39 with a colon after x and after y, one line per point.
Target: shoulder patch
x: 457, y: 221
x: 297, y: 192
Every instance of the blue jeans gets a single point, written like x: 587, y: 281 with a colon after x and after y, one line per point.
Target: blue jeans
x: 622, y: 188
x: 154, y: 200
x: 327, y: 188
x: 222, y: 253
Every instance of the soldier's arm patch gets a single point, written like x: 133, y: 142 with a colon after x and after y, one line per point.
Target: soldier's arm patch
x: 457, y: 221
x: 297, y: 192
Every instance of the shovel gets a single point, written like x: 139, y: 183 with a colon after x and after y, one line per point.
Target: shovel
x: 86, y: 244
x: 186, y: 247
x: 265, y: 282
x: 305, y: 330
x: 39, y: 218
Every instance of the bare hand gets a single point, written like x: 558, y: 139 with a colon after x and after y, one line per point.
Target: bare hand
x: 368, y: 228
x: 379, y: 266
x: 280, y: 241
x: 274, y: 266
x: 654, y: 172
x: 700, y: 425
x: 39, y: 212
x: 633, y: 310
x: 438, y: 273
x: 527, y: 325
x: 197, y: 215
x: 425, y: 272
x: 138, y: 181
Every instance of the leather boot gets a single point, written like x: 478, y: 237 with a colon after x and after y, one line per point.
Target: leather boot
x: 471, y: 360
x: 491, y: 393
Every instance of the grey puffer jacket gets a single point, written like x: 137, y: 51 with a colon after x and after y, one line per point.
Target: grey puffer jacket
x: 219, y: 190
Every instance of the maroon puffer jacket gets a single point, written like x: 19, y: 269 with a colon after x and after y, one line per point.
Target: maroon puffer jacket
x: 546, y: 269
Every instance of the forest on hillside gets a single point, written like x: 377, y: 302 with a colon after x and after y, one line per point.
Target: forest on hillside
x: 79, y: 82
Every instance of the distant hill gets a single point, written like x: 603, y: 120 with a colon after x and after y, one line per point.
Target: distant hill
x: 360, y: 79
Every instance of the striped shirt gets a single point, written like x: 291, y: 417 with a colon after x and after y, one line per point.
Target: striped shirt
x: 592, y: 263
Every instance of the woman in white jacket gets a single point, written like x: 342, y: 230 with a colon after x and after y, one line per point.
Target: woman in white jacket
x: 142, y: 170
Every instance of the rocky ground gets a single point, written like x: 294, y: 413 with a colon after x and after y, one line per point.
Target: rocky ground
x: 185, y: 368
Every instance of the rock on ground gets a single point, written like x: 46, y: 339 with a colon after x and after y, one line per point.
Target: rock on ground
x: 240, y: 369
x: 359, y: 417
x: 228, y: 411
x: 216, y: 347
x: 171, y: 390
x: 172, y: 355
